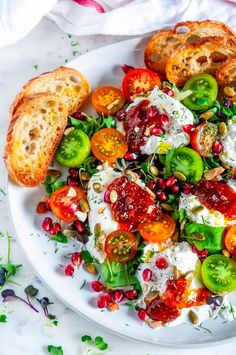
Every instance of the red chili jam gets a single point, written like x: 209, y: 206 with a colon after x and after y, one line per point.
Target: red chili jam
x: 217, y: 196
x: 159, y: 311
x: 133, y: 204
x: 140, y: 124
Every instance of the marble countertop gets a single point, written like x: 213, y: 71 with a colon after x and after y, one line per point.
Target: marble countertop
x: 28, y: 333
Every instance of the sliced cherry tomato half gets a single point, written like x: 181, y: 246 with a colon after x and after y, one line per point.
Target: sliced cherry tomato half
x: 139, y: 81
x: 121, y: 246
x: 62, y: 199
x: 219, y: 273
x: 204, y: 92
x: 73, y: 149
x: 230, y: 239
x: 108, y: 144
x: 157, y: 231
x: 185, y: 161
x: 108, y: 100
x: 203, y: 138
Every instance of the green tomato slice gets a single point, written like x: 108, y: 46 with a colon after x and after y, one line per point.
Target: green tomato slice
x: 186, y: 161
x: 204, y: 92
x: 73, y: 149
x: 219, y: 273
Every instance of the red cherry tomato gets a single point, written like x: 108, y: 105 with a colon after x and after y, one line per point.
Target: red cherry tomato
x: 203, y: 138
x: 121, y: 246
x: 61, y: 201
x: 139, y: 81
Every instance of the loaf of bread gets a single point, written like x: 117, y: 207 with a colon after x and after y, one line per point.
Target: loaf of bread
x: 204, y: 56
x: 67, y: 83
x: 165, y: 42
x: 35, y: 130
x: 226, y: 74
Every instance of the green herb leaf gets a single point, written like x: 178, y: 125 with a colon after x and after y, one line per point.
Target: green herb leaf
x: 55, y: 350
x: 86, y: 256
x: 31, y: 291
x: 3, y: 318
x: 86, y: 338
x: 110, y: 122
x: 52, y: 185
x: 60, y: 238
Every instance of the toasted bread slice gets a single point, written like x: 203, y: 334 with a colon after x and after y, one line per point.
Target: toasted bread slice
x: 204, y: 56
x: 67, y: 83
x: 164, y: 42
x: 34, y: 133
x: 226, y: 74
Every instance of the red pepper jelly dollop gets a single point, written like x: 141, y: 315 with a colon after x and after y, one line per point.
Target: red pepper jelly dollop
x: 133, y: 204
x: 217, y: 196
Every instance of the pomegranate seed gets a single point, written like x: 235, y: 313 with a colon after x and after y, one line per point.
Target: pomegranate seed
x: 208, y: 184
x: 151, y: 112
x: 73, y: 208
x: 126, y: 68
x: 170, y: 181
x: 203, y: 254
x: 47, y: 224
x: 164, y: 121
x: 72, y: 182
x: 41, y: 207
x: 79, y: 226
x: 69, y: 270
x: 161, y: 195
x: 234, y: 174
x: 118, y: 296
x: 187, y: 188
x: 78, y: 115
x: 217, y: 147
x: 130, y: 156
x: 102, y: 301
x: 142, y: 314
x: 161, y: 183
x: 74, y: 173
x: 161, y: 263
x: 175, y: 188
x: 130, y: 295
x: 121, y: 115
x: 109, y: 296
x: 97, y: 286
x: 76, y: 258
x: 169, y: 92
x: 156, y: 131
x: 147, y: 275
x: 151, y: 185
x: 55, y: 228
x: 47, y: 203
x: 189, y: 128
x: 107, y: 196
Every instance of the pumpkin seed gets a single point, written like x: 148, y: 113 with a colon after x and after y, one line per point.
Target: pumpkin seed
x: 113, y: 307
x: 113, y: 196
x: 53, y: 173
x: 197, y: 209
x: 226, y: 253
x: 155, y: 324
x: 150, y: 192
x: 71, y: 233
x: 182, y: 224
x: 134, y: 176
x: 223, y: 129
x: 176, y: 273
x: 166, y: 206
x: 193, y: 317
x: 97, y: 229
x: 83, y: 205
x: 97, y: 187
x: 85, y: 176
x: 226, y: 166
x: 198, y: 236
x: 154, y: 171
x: 213, y: 173
x: 229, y: 91
x: 207, y: 115
x: 91, y: 269
x: 151, y: 296
x: 68, y: 130
x: 189, y: 275
x: 180, y: 176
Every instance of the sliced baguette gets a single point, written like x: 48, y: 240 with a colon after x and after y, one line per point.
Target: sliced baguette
x: 164, y: 42
x: 204, y: 56
x: 67, y: 83
x: 34, y: 133
x: 226, y: 74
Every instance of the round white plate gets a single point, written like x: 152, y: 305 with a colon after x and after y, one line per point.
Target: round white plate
x: 101, y: 67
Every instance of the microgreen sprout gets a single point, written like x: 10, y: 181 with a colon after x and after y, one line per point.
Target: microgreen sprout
x: 55, y: 350
x: 44, y: 303
x: 98, y: 342
x: 9, y: 295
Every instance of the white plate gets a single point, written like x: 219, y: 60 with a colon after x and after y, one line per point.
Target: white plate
x: 102, y: 67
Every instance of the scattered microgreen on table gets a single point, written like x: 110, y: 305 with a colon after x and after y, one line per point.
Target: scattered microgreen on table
x: 97, y: 343
x: 55, y: 350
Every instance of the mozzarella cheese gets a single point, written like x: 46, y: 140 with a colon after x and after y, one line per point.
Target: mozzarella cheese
x: 179, y: 116
x: 228, y: 155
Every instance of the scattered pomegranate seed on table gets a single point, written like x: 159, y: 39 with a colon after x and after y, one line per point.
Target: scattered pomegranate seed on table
x: 69, y: 270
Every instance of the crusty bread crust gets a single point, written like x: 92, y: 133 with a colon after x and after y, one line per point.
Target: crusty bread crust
x: 33, y: 136
x: 226, y: 73
x: 204, y: 56
x: 164, y: 42
x: 67, y: 83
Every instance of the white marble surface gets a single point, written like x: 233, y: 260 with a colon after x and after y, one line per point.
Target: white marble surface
x: 27, y: 333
